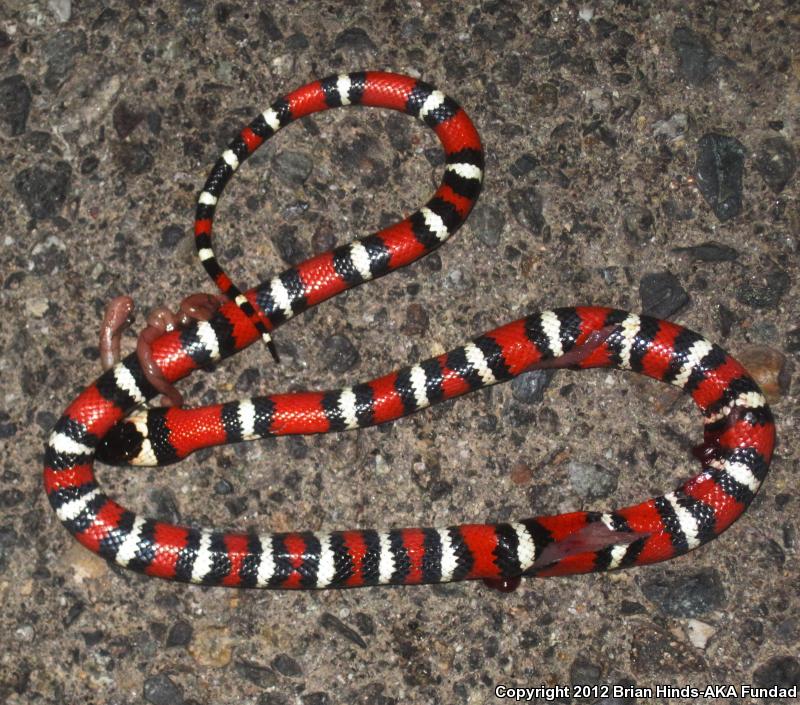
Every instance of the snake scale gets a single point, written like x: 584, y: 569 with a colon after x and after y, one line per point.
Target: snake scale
x: 738, y: 426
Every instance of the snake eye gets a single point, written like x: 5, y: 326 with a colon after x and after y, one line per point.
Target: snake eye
x: 120, y: 445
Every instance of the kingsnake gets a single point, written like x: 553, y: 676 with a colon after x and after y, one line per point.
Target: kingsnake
x: 739, y: 431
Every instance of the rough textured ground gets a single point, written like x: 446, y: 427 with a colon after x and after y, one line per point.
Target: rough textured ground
x: 593, y: 117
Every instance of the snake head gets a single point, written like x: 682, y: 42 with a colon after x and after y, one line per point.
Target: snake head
x: 124, y: 444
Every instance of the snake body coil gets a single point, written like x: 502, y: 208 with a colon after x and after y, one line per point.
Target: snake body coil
x: 739, y: 431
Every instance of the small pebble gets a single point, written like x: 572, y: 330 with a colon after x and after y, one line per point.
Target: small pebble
x: 25, y: 633
x: 154, y: 122
x: 699, y: 633
x: 611, y: 276
x: 267, y: 24
x: 61, y: 50
x: 44, y: 191
x: 355, y: 153
x: 76, y: 609
x: 82, y: 564
x: 456, y: 279
x: 332, y: 622
x: 89, y: 165
x: 163, y: 504
x: 354, y: 39
x: 661, y: 294
x: 675, y: 210
x: 521, y: 473
x: 222, y: 12
x: 432, y: 262
x: 259, y: 675
x: 782, y: 671
x: 696, y: 61
x: 11, y: 497
x: 247, y: 380
x: 631, y: 607
x: 236, y: 505
x: 61, y: 9
x: 9, y: 429
x: 582, y: 671
x: 15, y: 103
x: 592, y: 481
x: 37, y: 307
x: 295, y: 209
x: 193, y: 12
x: 439, y: 489
x: 223, y: 487
x: 751, y: 630
x: 134, y: 158
x: 289, y: 247
x: 672, y: 128
x: 365, y: 623
x: 523, y: 165
x: 788, y: 630
x: 273, y: 698
x: 711, y: 251
x: 125, y: 119
x: 487, y: 222
x: 340, y: 354
x: 639, y: 222
x: 529, y: 387
x: 793, y: 341
x: 180, y: 634
x: 526, y: 205
x: 411, y: 27
x: 435, y: 156
x: 292, y: 167
x: 417, y: 321
x: 688, y: 594
x: 287, y: 666
x: 38, y: 140
x: 653, y: 645
x: 298, y: 447
x: 773, y: 554
x: 544, y: 100
x: 297, y: 42
x: 323, y: 239
x: 398, y: 132
x: 769, y: 368
x: 171, y: 235
x: 162, y: 690
x: 719, y: 170
x: 763, y: 290
x: 776, y: 161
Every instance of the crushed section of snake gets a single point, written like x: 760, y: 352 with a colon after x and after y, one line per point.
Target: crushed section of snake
x: 119, y: 316
x: 739, y: 431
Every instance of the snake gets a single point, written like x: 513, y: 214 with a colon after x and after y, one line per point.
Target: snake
x: 738, y: 437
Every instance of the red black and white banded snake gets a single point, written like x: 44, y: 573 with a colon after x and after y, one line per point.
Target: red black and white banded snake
x: 738, y: 432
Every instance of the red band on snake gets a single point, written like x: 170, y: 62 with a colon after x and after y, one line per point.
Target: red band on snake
x: 738, y: 439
